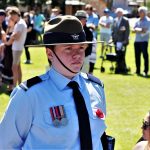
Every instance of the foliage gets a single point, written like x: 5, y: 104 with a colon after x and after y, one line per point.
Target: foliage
x: 148, y: 5
x: 4, y: 4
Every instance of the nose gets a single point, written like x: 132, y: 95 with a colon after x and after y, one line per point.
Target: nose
x: 77, y: 53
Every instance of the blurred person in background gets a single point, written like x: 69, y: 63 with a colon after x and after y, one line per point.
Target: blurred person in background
x: 2, y: 40
x: 39, y: 21
x: 29, y: 37
x: 105, y: 23
x: 18, y: 37
x: 92, y: 19
x: 144, y: 144
x: 3, y: 22
x: 142, y: 29
x: 120, y: 36
x: 7, y: 75
x: 82, y: 16
x: 56, y: 11
x: 92, y: 57
x: 113, y: 12
x: 96, y: 12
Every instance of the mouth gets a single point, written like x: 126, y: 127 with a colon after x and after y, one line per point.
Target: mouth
x: 77, y: 63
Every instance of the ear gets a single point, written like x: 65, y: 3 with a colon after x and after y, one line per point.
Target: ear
x: 49, y: 54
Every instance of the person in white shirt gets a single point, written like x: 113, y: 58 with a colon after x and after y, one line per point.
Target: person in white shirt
x: 105, y: 23
x: 18, y: 37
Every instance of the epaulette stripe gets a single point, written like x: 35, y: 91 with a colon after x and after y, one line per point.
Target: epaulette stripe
x: 33, y: 81
x: 94, y: 79
x: 23, y: 86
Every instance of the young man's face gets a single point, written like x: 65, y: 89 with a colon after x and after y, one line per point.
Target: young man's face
x: 72, y: 56
x: 14, y: 17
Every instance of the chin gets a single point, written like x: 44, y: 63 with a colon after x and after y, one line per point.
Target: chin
x: 76, y: 69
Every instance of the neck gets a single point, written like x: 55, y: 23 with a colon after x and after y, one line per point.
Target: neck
x: 66, y: 74
x: 18, y: 19
x: 142, y: 18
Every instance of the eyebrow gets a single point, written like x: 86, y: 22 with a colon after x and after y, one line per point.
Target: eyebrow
x: 70, y: 45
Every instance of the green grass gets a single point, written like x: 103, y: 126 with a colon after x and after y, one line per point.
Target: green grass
x: 127, y: 96
x: 127, y: 99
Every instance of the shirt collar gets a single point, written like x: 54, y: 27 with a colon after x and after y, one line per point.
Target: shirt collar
x: 61, y: 81
x: 144, y: 18
x: 119, y: 19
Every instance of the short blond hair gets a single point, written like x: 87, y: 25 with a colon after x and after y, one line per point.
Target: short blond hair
x: 14, y: 10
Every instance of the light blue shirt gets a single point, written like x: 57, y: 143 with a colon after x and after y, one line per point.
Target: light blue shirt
x: 27, y: 123
x: 93, y: 19
x: 38, y: 22
x: 144, y: 23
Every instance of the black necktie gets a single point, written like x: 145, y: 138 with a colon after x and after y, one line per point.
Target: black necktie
x: 83, y: 117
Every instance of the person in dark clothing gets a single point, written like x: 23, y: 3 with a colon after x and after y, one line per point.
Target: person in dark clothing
x: 29, y: 37
x: 2, y: 19
x: 82, y: 16
x: 120, y: 36
x: 2, y: 39
x: 7, y: 75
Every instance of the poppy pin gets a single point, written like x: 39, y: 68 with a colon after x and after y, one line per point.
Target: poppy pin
x: 100, y: 114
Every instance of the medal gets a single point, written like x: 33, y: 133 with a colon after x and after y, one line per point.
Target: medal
x: 58, y: 116
x: 64, y: 121
x: 56, y: 123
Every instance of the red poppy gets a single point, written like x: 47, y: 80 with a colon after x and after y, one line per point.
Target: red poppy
x: 99, y: 114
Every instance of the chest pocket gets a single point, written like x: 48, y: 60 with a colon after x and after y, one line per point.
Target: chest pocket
x: 97, y: 103
x: 62, y: 130
x: 57, y: 116
x: 43, y: 125
x: 96, y: 100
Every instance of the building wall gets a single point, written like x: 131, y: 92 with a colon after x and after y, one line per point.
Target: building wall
x: 100, y: 5
x: 120, y: 3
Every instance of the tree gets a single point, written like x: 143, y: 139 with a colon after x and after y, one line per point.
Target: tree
x: 109, y: 3
x: 31, y: 3
x: 5, y: 3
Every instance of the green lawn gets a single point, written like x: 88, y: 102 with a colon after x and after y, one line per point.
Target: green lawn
x: 127, y: 96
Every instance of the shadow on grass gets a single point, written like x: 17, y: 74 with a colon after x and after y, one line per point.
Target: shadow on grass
x: 112, y: 72
x: 124, y: 74
x: 142, y: 76
x: 3, y: 89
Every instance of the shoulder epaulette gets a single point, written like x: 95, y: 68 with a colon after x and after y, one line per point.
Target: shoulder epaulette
x: 30, y: 82
x: 95, y: 79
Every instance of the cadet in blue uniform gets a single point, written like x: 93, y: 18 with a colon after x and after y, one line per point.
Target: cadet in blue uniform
x: 42, y: 112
